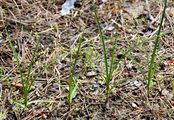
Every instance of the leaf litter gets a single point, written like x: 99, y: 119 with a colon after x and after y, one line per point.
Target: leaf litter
x: 129, y: 21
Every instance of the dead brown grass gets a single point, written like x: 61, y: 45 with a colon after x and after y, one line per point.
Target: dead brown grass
x: 130, y: 21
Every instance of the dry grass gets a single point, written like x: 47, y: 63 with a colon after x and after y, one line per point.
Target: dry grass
x: 129, y: 22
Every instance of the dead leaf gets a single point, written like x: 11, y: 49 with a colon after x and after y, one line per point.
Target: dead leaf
x: 91, y: 74
x: 126, y: 16
x: 114, y: 11
x: 169, y: 62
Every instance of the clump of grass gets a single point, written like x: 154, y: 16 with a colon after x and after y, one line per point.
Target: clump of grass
x: 26, y: 81
x: 108, y: 67
x: 152, y: 66
x: 72, y: 81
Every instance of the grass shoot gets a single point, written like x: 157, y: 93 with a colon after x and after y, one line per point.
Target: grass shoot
x: 72, y: 80
x: 25, y: 81
x: 108, y: 71
x: 152, y: 66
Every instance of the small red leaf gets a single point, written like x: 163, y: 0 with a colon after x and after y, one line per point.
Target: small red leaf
x: 170, y: 61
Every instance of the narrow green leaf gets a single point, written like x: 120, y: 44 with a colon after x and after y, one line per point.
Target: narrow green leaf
x: 151, y: 67
x: 173, y: 87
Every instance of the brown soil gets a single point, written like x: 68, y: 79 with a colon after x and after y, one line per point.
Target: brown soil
x: 125, y: 23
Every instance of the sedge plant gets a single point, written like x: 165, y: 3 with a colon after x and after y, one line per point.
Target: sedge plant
x: 26, y: 81
x: 72, y: 80
x: 152, y: 66
x: 108, y: 67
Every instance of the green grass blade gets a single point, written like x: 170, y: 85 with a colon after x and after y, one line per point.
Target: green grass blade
x: 24, y: 87
x: 103, y: 41
x: 72, y: 82
x: 31, y: 66
x: 173, y: 87
x: 72, y: 92
x: 29, y: 81
x: 151, y: 66
x: 17, y: 60
x: 111, y: 68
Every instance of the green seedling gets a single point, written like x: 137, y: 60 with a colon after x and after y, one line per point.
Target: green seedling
x: 152, y: 66
x: 72, y: 80
x: 108, y: 67
x: 26, y: 81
